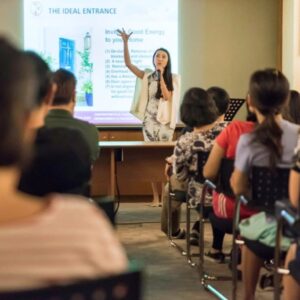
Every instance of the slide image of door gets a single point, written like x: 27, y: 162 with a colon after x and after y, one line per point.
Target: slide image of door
x: 67, y: 54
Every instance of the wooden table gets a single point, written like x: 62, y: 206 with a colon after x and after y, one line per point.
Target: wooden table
x: 137, y: 160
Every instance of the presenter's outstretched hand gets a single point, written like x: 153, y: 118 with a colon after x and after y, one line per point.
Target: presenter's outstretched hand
x: 134, y: 69
x: 125, y: 36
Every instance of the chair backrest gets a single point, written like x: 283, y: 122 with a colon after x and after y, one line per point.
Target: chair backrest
x: 234, y: 106
x: 107, y: 204
x: 202, y: 157
x: 267, y: 186
x: 126, y: 286
x: 223, y: 181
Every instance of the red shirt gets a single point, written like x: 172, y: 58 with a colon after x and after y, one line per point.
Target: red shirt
x: 224, y: 206
x: 229, y: 137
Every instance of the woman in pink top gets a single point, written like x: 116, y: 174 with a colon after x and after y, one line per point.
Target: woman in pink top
x: 42, y: 241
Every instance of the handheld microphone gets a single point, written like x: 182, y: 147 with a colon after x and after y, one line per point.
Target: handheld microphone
x: 158, y: 74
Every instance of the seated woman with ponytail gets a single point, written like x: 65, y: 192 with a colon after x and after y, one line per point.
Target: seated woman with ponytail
x: 272, y: 144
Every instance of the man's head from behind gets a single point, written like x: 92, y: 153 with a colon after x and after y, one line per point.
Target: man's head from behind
x: 66, y: 86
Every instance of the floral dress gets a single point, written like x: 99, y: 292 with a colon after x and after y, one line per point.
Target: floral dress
x: 152, y: 129
x: 185, y: 165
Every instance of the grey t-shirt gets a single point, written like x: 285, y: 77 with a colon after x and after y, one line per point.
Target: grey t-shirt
x: 250, y: 154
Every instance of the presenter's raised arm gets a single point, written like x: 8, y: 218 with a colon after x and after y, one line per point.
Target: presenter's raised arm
x: 134, y: 69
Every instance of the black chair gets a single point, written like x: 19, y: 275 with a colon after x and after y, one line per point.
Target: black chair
x: 288, y: 223
x: 107, y: 204
x: 126, y: 286
x: 267, y: 186
x: 199, y: 179
x: 234, y: 106
x: 222, y: 185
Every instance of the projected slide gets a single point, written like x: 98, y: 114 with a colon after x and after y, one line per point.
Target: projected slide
x: 80, y: 36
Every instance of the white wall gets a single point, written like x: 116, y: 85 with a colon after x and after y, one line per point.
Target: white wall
x: 224, y: 41
x: 11, y: 20
x: 221, y: 41
x: 291, y: 42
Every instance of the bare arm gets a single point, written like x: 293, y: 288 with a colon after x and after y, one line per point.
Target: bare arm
x: 294, y: 187
x: 239, y: 182
x: 168, y: 166
x: 167, y: 95
x: 134, y: 69
x: 212, y: 166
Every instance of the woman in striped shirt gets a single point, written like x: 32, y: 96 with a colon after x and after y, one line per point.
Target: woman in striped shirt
x: 47, y: 241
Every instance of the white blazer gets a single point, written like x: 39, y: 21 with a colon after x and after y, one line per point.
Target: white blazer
x: 167, y: 110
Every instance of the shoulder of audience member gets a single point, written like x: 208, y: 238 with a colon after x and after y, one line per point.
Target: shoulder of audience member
x: 238, y: 124
x: 222, y: 124
x: 185, y: 139
x: 186, y: 129
x: 78, y: 205
x: 87, y: 124
x: 291, y: 125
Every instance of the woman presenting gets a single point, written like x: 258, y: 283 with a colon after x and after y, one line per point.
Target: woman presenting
x: 156, y: 96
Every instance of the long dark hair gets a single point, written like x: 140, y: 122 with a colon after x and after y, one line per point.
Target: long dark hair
x: 269, y: 91
x: 167, y: 73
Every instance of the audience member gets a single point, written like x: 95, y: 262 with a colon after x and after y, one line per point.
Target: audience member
x: 223, y: 205
x: 62, y: 110
x: 291, y: 110
x: 61, y: 164
x: 272, y: 144
x: 59, y: 239
x: 61, y: 159
x: 199, y: 112
x: 221, y: 98
x: 42, y: 101
x: 291, y: 283
x: 45, y: 90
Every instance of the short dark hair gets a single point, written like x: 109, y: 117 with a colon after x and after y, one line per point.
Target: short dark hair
x: 66, y: 85
x: 221, y: 98
x: 293, y: 107
x: 61, y: 163
x: 18, y: 84
x: 197, y: 108
x: 44, y: 76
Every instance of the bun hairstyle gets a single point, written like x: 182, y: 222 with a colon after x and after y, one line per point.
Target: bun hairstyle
x: 269, y: 91
x: 167, y: 73
x: 17, y: 95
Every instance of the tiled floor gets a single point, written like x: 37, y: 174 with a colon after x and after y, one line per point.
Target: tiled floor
x: 167, y: 274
